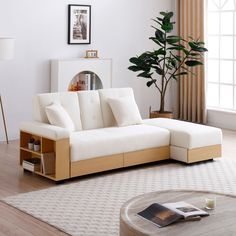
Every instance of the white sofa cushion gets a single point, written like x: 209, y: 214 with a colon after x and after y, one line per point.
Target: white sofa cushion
x: 68, y: 100
x: 91, y: 113
x: 105, y: 94
x: 45, y: 130
x: 125, y: 111
x: 188, y: 135
x: 58, y: 116
x: 108, y: 141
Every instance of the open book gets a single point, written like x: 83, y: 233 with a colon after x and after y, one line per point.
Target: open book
x: 168, y: 213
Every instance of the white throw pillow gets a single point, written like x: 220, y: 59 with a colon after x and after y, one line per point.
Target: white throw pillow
x: 58, y: 116
x: 125, y: 111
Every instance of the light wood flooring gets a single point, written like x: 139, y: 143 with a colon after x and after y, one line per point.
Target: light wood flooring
x: 14, y: 181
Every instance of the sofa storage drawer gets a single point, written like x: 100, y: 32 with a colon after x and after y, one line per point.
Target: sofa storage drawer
x: 95, y: 165
x: 146, y: 156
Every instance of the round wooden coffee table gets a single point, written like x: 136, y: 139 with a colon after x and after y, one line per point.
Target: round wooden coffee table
x: 222, y: 220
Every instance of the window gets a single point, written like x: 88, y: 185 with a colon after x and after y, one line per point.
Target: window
x: 221, y: 62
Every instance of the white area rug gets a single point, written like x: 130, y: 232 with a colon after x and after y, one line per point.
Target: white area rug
x: 91, y: 207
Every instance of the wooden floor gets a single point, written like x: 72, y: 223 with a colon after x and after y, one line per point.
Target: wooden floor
x: 13, y: 181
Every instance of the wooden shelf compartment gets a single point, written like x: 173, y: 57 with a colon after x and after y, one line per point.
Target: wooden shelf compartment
x: 60, y: 148
x: 27, y: 154
x: 25, y: 137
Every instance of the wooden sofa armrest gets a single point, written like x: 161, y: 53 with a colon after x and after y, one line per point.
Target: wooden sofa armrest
x: 53, y: 139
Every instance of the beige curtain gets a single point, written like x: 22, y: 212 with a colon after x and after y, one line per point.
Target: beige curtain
x: 192, y: 88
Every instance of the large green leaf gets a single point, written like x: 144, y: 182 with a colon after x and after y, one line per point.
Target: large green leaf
x: 151, y: 82
x: 195, y: 46
x: 134, y: 60
x: 160, y: 36
x: 159, y: 71
x: 134, y: 68
x: 200, y: 49
x: 163, y: 13
x: 173, y: 39
x: 160, y: 51
x: 193, y: 63
x: 145, y: 75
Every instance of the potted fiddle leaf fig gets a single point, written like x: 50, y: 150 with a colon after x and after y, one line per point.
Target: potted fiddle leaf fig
x: 173, y: 58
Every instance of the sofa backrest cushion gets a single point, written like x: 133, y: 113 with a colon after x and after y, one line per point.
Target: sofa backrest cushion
x: 105, y: 94
x: 68, y: 100
x: 87, y: 109
x: 91, y: 113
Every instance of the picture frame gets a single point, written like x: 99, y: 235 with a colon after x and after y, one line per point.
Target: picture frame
x: 91, y: 54
x: 79, y: 24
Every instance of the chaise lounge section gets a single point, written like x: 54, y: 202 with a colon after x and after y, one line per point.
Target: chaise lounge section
x: 95, y: 140
x: 190, y: 142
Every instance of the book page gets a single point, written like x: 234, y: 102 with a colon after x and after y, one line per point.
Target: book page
x: 185, y: 209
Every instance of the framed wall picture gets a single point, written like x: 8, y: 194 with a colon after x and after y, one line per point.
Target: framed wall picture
x: 79, y: 24
x: 91, y: 54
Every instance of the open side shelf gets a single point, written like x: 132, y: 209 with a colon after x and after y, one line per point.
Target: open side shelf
x: 52, y: 156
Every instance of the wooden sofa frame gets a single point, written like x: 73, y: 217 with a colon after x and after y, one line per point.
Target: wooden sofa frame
x: 65, y: 169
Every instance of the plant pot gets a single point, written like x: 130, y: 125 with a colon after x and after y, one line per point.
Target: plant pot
x: 31, y: 146
x: 36, y: 147
x: 157, y: 114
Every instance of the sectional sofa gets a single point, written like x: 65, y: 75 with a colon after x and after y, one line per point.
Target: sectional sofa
x: 102, y: 130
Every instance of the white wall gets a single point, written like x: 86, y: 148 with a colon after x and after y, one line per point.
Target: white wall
x: 120, y: 29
